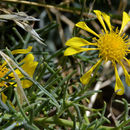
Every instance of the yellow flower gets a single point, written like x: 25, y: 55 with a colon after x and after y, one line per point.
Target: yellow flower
x: 112, y: 45
x: 22, y: 51
x: 29, y: 66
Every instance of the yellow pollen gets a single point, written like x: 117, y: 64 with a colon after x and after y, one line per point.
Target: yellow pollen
x: 112, y: 46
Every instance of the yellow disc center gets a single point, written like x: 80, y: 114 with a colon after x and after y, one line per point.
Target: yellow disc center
x: 111, y: 46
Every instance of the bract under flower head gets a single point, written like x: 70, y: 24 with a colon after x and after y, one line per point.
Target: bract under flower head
x: 112, y: 45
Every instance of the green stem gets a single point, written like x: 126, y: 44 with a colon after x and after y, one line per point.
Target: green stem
x: 19, y: 35
x: 22, y: 111
x: 123, y: 124
x: 62, y: 122
x: 19, y: 105
x: 53, y: 120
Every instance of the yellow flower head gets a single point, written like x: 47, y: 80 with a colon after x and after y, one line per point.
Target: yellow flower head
x: 112, y: 46
x: 29, y: 66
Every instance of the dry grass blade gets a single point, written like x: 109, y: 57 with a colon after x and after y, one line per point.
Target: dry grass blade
x: 30, y: 30
x: 48, y: 6
x: 18, y: 16
x: 58, y: 16
x: 21, y: 19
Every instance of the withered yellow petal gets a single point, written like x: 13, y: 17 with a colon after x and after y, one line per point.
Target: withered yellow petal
x: 126, y: 19
x: 78, y: 42
x: 86, y: 77
x: 98, y: 14
x: 119, y: 88
x: 22, y: 51
x: 83, y: 26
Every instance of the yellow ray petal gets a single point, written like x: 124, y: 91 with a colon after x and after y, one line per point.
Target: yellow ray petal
x: 17, y: 72
x: 98, y: 13
x: 126, y: 19
x: 119, y: 88
x: 71, y: 50
x: 127, y: 76
x: 4, y: 97
x: 78, y: 42
x: 86, y: 77
x: 128, y: 51
x: 22, y: 51
x: 26, y: 83
x: 107, y: 20
x: 128, y: 61
x: 28, y: 60
x: 83, y: 26
x: 29, y: 67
